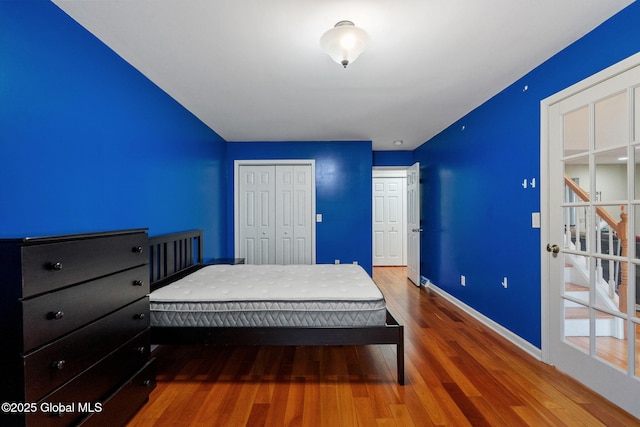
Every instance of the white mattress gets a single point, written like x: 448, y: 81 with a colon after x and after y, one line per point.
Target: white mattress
x: 270, y: 295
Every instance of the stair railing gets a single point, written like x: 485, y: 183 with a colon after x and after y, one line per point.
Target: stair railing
x: 620, y: 228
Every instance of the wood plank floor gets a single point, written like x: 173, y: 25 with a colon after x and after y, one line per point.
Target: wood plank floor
x: 458, y: 373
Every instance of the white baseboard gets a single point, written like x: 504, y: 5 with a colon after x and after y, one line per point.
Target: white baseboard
x: 524, y: 345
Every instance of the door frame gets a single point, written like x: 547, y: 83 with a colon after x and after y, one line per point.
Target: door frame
x: 264, y: 162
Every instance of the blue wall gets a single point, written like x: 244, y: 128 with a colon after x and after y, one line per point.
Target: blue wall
x: 393, y: 158
x: 476, y: 213
x: 88, y: 144
x: 343, y: 193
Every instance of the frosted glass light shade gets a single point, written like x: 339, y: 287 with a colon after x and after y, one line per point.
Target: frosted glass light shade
x: 344, y: 42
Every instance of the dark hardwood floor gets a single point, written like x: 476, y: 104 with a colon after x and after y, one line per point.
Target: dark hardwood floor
x: 458, y: 373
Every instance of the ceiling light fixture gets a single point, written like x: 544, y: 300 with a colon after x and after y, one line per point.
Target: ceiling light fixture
x: 344, y: 42
x: 397, y: 142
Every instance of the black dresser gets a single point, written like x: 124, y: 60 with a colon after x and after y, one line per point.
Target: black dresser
x: 74, y: 329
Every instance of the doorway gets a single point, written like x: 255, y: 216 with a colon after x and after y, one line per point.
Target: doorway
x: 389, y: 213
x: 388, y: 240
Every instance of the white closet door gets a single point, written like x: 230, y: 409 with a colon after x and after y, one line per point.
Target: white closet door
x: 275, y: 213
x: 257, y: 220
x: 293, y: 214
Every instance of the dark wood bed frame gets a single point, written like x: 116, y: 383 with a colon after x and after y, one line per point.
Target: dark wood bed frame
x: 173, y: 256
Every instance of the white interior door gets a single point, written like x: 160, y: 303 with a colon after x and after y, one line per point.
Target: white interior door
x: 413, y: 223
x: 389, y: 218
x: 590, y: 269
x: 293, y: 214
x: 274, y: 206
x: 257, y: 219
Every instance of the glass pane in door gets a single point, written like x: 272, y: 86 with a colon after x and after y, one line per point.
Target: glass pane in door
x: 577, y: 169
x: 579, y: 292
x: 576, y: 237
x: 611, y: 243
x: 576, y: 328
x: 610, y: 223
x: 576, y: 131
x: 577, y: 278
x: 611, y: 342
x: 611, y: 121
x: 611, y: 175
x: 576, y: 208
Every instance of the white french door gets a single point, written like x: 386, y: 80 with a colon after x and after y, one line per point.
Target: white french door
x: 389, y: 218
x: 275, y: 212
x: 413, y: 223
x: 591, y: 156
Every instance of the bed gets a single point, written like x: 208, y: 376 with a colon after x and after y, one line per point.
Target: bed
x: 193, y: 302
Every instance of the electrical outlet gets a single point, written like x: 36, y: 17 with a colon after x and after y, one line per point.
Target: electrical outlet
x: 337, y: 261
x: 504, y: 282
x: 463, y: 280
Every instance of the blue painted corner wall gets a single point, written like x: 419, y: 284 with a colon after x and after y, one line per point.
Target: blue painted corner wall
x: 476, y: 213
x: 343, y: 193
x: 87, y: 143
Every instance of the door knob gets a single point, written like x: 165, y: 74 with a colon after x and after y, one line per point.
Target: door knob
x: 553, y: 248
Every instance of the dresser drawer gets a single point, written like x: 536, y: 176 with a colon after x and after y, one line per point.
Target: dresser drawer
x: 51, y: 315
x: 54, y: 364
x: 87, y: 391
x: 123, y: 404
x: 46, y: 267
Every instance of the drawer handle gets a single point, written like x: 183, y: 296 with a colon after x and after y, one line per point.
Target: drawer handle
x: 141, y: 350
x: 138, y: 283
x: 55, y: 266
x: 137, y: 249
x: 139, y: 316
x: 146, y: 383
x: 55, y: 315
x: 58, y: 364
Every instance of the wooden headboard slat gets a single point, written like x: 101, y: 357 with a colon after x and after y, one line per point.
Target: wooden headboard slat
x: 170, y: 258
x: 172, y: 254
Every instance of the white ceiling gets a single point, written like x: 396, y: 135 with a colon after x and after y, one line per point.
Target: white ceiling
x: 252, y: 70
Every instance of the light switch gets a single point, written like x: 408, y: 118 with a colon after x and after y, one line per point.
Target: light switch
x: 535, y: 220
x: 318, y: 217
